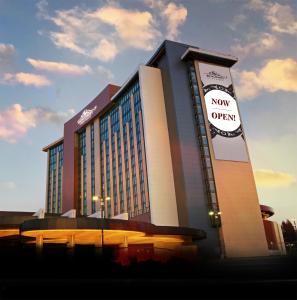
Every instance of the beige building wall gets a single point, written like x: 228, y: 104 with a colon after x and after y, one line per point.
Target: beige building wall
x: 158, y: 156
x: 242, y: 228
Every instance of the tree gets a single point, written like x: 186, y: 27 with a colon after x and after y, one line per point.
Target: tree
x: 290, y: 235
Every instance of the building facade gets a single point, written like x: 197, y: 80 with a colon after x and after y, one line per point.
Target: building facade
x: 167, y: 148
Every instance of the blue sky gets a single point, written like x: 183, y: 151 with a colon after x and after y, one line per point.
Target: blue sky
x: 56, y: 56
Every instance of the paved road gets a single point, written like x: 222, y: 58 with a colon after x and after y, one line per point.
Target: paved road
x: 85, y: 278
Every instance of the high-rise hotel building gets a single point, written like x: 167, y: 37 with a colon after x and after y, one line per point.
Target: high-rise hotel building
x: 167, y: 147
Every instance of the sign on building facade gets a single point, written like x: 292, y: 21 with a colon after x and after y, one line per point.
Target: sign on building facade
x: 222, y: 113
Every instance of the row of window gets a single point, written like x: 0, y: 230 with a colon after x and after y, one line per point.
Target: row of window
x: 82, y: 171
x: 117, y: 165
x: 54, y: 191
x: 93, y: 165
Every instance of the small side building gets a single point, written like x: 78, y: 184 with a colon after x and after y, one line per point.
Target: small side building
x: 273, y: 232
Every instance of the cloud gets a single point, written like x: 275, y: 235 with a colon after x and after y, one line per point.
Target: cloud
x: 25, y: 79
x: 7, y: 52
x: 173, y: 15
x: 134, y: 28
x: 281, y: 18
x: 59, y: 67
x: 56, y: 117
x: 275, y: 75
x: 237, y: 20
x: 105, y: 72
x: 15, y: 121
x: 176, y: 16
x: 102, y: 33
x: 256, y: 5
x: 256, y: 44
x: 42, y: 9
x: 7, y: 185
x: 105, y: 51
x: 273, y: 179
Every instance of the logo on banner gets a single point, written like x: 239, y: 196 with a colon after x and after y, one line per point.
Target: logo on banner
x: 86, y: 115
x: 215, y: 75
x: 222, y: 113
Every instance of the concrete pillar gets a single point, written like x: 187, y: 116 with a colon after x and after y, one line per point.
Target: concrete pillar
x: 39, y: 244
x: 161, y: 187
x: 71, y: 245
x: 71, y: 241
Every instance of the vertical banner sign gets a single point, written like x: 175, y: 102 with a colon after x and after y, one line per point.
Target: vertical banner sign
x: 222, y: 113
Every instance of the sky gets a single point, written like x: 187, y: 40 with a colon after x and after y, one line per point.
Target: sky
x: 56, y: 56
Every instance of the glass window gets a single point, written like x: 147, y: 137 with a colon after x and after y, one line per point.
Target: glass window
x: 211, y: 186
x: 202, y: 129
x: 209, y: 173
x: 204, y: 140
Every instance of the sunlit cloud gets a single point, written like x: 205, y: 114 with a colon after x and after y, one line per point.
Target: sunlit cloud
x: 59, y: 67
x: 104, y: 32
x: 272, y: 179
x: 106, y: 50
x: 15, y: 121
x: 280, y: 17
x: 256, y: 44
x: 25, y: 79
x: 134, y: 28
x: 7, y: 52
x: 175, y: 15
x: 275, y: 75
x: 172, y: 14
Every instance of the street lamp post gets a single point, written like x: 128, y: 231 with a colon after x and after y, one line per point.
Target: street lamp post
x: 102, y: 217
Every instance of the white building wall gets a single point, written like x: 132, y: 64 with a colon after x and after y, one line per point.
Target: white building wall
x: 159, y: 166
